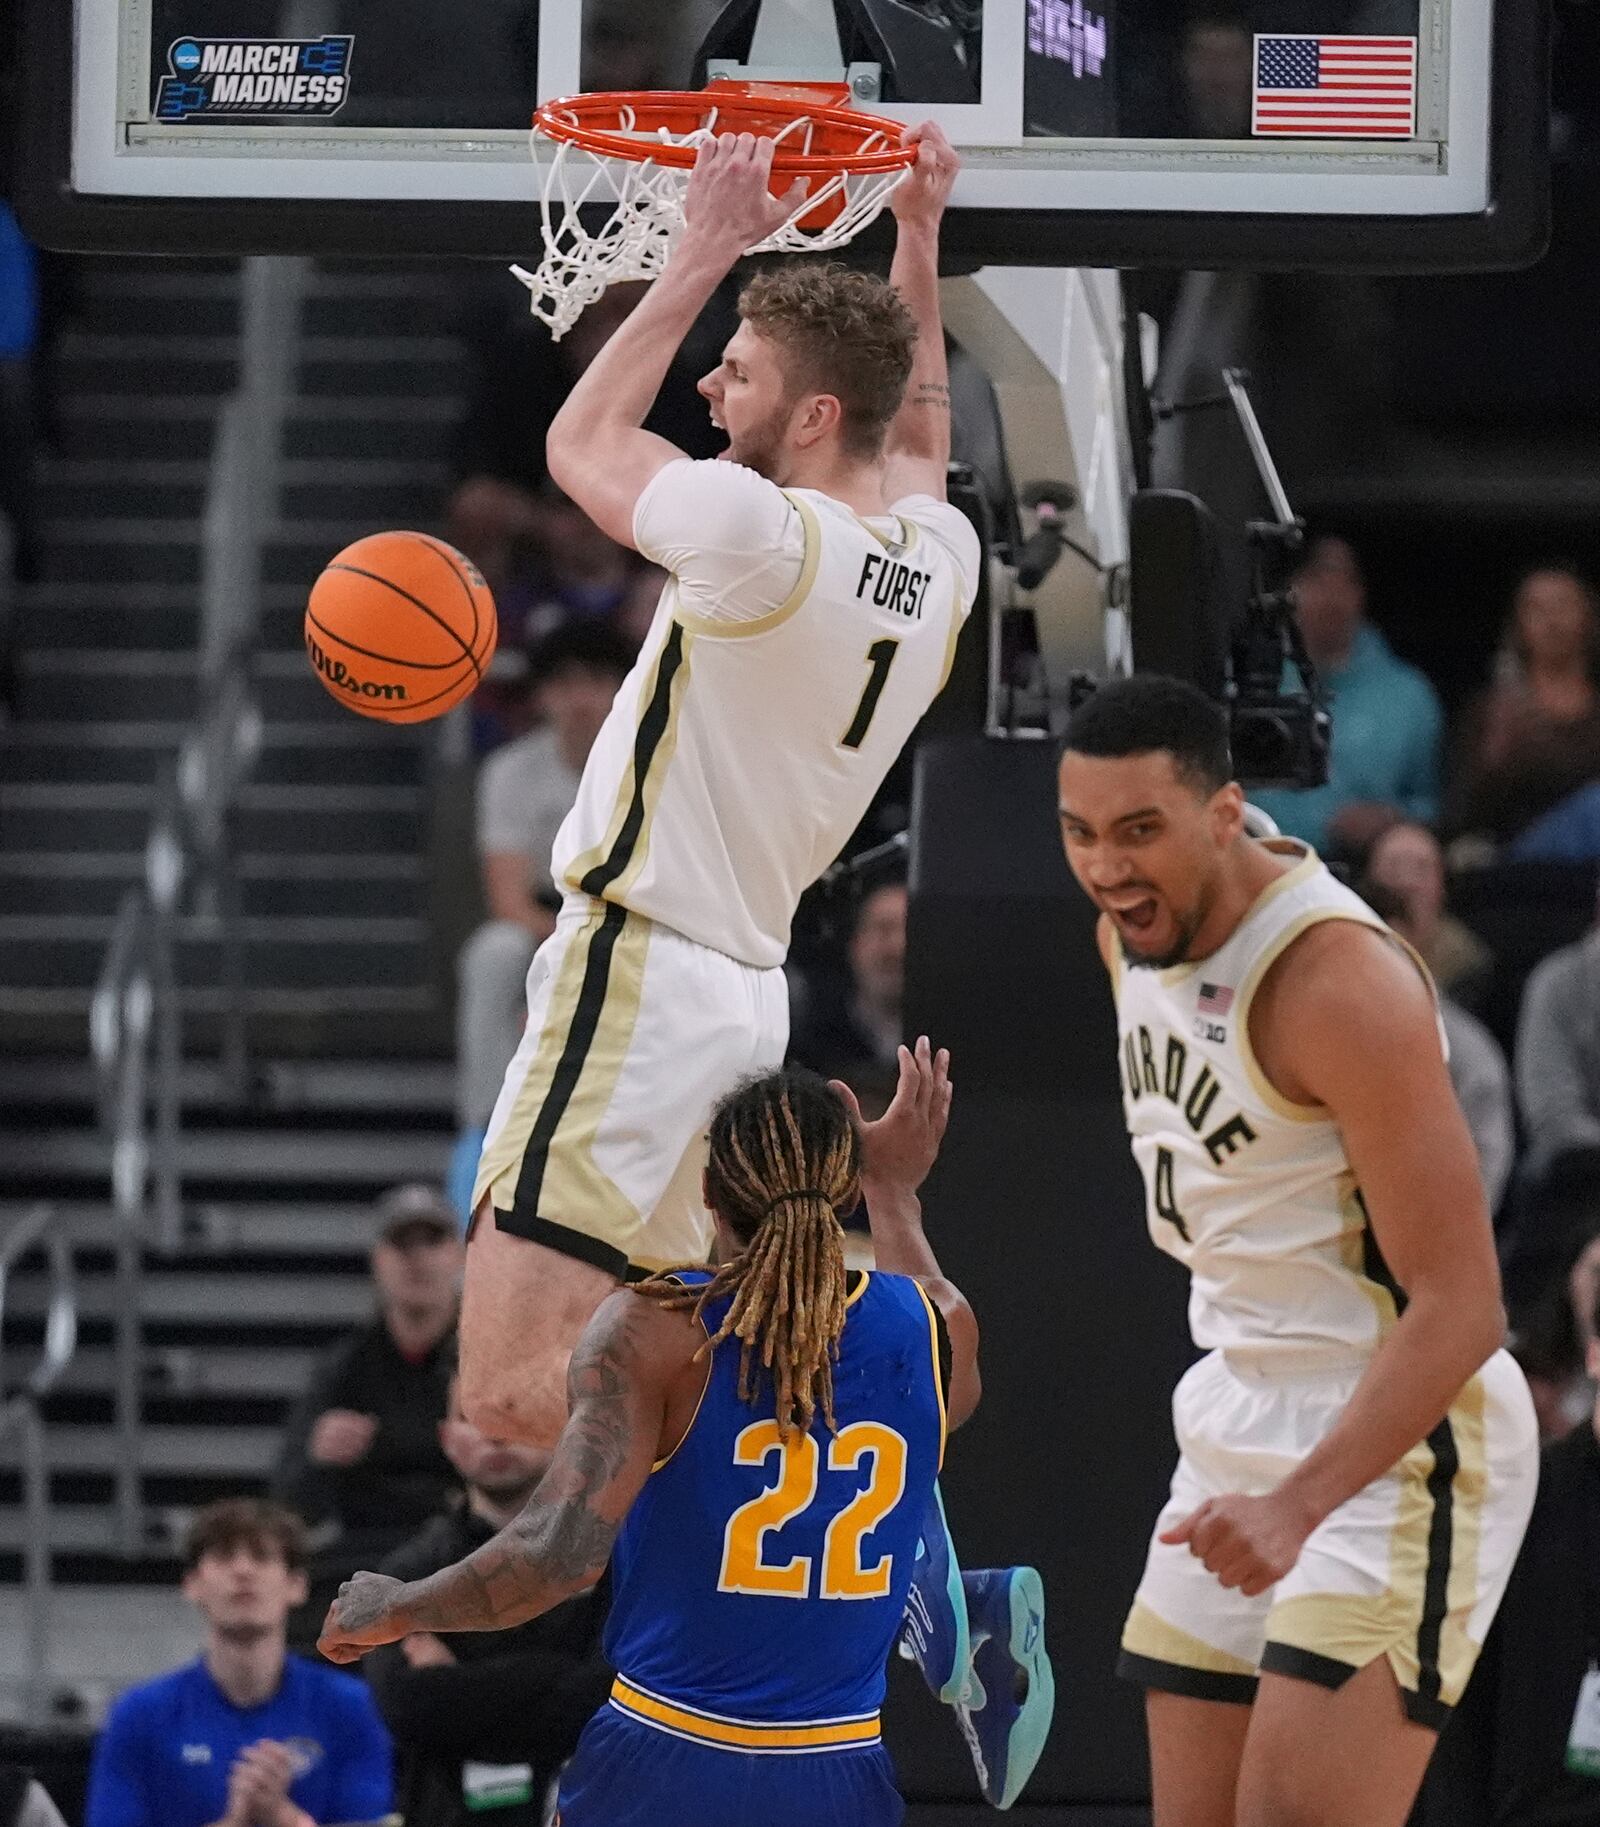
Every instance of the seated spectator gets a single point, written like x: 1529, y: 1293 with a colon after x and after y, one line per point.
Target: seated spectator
x: 1551, y: 1339
x: 1386, y: 717
x: 847, y: 1029
x: 361, y: 1459
x: 1533, y: 738
x: 1558, y: 1088
x: 1477, y: 1066
x: 525, y: 791
x: 1520, y: 1753
x: 1558, y: 1053
x: 575, y: 573
x: 1408, y: 860
x: 522, y: 378
x: 484, y: 1720
x: 1568, y: 833
x: 248, y: 1735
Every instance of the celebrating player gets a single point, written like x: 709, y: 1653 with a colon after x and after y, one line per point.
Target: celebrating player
x: 754, y: 1450
x: 1357, y: 1454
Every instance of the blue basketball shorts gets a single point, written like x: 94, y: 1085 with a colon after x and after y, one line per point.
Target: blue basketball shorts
x: 628, y: 1774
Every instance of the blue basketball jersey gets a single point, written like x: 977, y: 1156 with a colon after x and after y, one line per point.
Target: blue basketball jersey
x: 758, y: 1585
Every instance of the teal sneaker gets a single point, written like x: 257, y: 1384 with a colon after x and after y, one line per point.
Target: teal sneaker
x: 934, y: 1634
x: 1006, y: 1718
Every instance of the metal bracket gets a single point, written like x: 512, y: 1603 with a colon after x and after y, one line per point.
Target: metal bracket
x: 865, y: 80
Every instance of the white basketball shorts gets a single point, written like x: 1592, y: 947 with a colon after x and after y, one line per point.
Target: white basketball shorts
x: 634, y: 1035
x: 1411, y: 1568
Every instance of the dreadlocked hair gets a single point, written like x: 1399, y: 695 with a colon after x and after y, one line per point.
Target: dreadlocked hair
x: 784, y: 1159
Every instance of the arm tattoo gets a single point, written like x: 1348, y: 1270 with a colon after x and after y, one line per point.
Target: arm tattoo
x: 563, y: 1538
x: 932, y: 393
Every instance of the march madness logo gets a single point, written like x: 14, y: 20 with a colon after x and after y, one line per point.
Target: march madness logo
x: 216, y: 77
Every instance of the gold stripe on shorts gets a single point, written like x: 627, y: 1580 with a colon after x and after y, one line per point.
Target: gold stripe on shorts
x: 742, y: 1734
x: 573, y: 1189
x: 502, y: 1156
x: 1420, y: 1621
x: 1148, y: 1634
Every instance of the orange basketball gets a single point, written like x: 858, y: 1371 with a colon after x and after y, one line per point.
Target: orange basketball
x: 400, y: 626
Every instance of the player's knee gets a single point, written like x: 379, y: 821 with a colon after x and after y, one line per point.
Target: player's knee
x: 1272, y: 1801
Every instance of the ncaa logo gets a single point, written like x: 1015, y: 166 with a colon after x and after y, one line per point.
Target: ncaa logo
x: 186, y: 57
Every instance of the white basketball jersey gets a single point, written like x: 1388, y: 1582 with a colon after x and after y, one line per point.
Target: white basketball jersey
x: 741, y: 754
x: 1253, y: 1194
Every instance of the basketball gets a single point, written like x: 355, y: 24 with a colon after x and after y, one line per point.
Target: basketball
x: 400, y: 626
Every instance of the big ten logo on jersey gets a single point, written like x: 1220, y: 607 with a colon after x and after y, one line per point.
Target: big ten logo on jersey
x: 890, y: 584
x: 1212, y: 1003
x: 1189, y: 1085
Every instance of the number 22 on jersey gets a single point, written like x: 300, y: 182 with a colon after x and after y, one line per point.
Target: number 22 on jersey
x: 843, y: 1575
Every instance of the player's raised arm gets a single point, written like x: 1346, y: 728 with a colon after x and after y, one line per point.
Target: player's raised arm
x: 897, y: 1155
x: 597, y: 448
x: 917, y: 449
x: 561, y: 1541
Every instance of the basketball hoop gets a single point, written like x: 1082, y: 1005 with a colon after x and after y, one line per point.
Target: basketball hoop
x: 634, y: 150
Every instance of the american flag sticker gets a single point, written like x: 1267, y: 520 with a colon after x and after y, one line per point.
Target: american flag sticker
x: 1314, y: 87
x: 1215, y: 999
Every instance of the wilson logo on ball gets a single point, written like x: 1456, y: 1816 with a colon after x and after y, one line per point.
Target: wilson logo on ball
x: 337, y: 673
x: 399, y: 627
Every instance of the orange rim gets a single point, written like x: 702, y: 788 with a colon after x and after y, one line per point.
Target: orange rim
x: 684, y: 111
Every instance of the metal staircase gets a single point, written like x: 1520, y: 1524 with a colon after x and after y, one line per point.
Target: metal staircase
x: 328, y: 831
x: 199, y: 1313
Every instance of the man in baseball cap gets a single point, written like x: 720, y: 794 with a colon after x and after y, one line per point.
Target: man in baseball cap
x: 361, y: 1459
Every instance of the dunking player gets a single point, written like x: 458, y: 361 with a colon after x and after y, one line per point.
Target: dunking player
x: 819, y: 580
x: 1357, y: 1454
x: 818, y: 583
x: 720, y: 1426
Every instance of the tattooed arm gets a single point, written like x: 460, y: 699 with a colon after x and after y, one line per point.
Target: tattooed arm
x: 917, y: 448
x: 617, y: 1389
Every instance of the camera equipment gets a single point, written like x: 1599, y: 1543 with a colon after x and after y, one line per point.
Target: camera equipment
x: 1280, y: 736
x: 1253, y: 660
x: 1195, y: 600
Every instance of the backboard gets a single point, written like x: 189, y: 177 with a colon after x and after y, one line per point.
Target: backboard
x: 1337, y: 134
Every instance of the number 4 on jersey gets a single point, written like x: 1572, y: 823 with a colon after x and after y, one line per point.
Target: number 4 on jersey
x: 1164, y: 1199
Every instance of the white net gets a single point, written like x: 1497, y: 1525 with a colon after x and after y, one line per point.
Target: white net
x: 645, y: 217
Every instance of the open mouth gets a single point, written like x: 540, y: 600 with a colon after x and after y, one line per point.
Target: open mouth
x: 1137, y: 916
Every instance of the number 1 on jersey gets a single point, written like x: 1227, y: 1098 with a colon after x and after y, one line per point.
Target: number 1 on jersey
x: 880, y: 657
